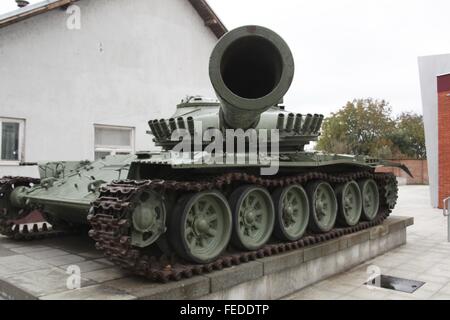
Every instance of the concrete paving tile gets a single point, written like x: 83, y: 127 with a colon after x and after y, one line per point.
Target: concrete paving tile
x: 15, y: 258
x: 105, y: 274
x: 446, y: 260
x: 8, y: 243
x: 404, y: 256
x: 32, y: 281
x: 442, y: 267
x: 418, y: 264
x: 74, y: 244
x: 399, y: 296
x: 438, y: 272
x: 411, y: 267
x: 388, y: 262
x: 50, y: 253
x: 414, y: 253
x: 91, y: 254
x: 312, y: 293
x: 366, y: 293
x: 6, y: 252
x: 445, y: 252
x: 440, y: 296
x: 434, y: 278
x: 411, y: 275
x: 27, y: 249
x: 68, y: 259
x: 348, y: 297
x: 423, y: 294
x: 432, y: 286
x: 335, y: 286
x: 104, y: 261
x: 445, y: 289
x: 421, y: 247
x: 436, y: 257
x: 87, y: 266
x: 360, y: 269
x: 11, y: 265
x: 352, y: 279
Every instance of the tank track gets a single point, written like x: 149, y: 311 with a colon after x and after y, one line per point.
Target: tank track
x: 10, y: 226
x: 110, y: 221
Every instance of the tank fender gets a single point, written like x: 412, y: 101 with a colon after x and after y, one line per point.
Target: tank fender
x: 387, y: 163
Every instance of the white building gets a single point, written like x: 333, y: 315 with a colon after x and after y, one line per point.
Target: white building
x: 430, y: 67
x: 79, y: 79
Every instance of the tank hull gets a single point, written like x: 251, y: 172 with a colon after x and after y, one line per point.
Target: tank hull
x: 192, y: 181
x: 163, y: 165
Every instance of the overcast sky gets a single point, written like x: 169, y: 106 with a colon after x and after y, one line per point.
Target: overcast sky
x: 345, y: 49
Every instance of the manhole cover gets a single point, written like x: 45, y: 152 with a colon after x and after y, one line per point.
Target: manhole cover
x: 394, y: 283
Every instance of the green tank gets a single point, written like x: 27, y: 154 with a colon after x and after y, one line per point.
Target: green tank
x: 232, y: 181
x: 205, y: 203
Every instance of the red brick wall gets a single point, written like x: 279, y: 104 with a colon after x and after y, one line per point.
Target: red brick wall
x: 418, y: 168
x: 444, y: 137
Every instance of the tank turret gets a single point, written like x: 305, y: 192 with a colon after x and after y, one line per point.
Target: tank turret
x: 251, y: 68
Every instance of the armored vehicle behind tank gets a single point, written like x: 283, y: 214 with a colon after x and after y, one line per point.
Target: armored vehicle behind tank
x: 58, y: 202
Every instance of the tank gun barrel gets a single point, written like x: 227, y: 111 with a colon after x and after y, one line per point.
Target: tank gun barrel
x: 251, y: 68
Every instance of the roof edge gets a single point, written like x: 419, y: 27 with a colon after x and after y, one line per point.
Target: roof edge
x: 210, y: 18
x: 32, y: 10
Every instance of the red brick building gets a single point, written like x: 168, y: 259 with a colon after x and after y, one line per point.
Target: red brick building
x: 443, y: 86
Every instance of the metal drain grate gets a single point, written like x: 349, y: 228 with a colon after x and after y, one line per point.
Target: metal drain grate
x: 394, y: 283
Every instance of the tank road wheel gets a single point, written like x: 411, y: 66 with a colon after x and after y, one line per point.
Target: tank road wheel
x: 149, y: 219
x: 350, y: 203
x: 253, y: 217
x: 291, y: 212
x: 200, y: 226
x: 370, y: 198
x: 324, y: 206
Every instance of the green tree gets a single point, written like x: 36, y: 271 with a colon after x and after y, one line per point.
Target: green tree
x: 409, y: 136
x: 366, y: 126
x: 360, y: 127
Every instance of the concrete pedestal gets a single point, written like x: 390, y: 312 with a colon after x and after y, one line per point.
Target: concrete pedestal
x: 38, y: 270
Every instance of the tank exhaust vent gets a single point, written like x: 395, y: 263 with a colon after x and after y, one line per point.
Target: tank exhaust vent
x: 298, y: 122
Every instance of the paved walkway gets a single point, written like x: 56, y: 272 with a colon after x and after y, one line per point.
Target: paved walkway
x: 425, y: 257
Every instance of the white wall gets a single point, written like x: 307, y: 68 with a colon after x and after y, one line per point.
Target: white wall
x: 131, y: 61
x: 429, y: 68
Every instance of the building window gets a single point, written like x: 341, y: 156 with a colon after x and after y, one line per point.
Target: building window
x: 11, y: 140
x: 113, y: 140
